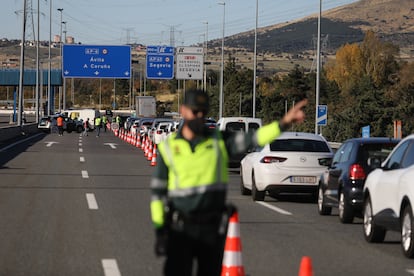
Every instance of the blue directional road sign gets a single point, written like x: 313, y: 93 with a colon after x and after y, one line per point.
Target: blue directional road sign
x: 366, y: 131
x: 160, y: 62
x: 322, y: 115
x: 96, y: 61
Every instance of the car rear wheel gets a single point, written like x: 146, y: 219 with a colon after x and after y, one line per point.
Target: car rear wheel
x: 79, y: 129
x: 256, y: 195
x: 322, y: 208
x: 407, y: 233
x: 243, y: 189
x: 372, y: 232
x: 346, y: 214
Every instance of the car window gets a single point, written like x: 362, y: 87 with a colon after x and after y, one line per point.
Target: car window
x: 346, y: 156
x: 235, y: 126
x: 339, y: 153
x: 377, y: 151
x: 394, y: 162
x: 253, y: 126
x: 409, y: 156
x: 299, y: 145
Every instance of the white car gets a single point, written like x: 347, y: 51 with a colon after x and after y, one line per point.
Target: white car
x: 389, y: 197
x: 162, y: 131
x: 293, y: 162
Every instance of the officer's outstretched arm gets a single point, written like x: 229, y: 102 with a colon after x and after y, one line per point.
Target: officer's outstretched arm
x: 268, y: 133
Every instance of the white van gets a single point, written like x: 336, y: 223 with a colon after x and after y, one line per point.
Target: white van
x: 83, y: 114
x: 234, y: 124
x: 237, y: 124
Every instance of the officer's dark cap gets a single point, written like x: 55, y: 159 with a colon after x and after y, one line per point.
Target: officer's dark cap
x: 197, y: 100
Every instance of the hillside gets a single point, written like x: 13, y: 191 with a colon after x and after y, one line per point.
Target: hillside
x: 393, y: 20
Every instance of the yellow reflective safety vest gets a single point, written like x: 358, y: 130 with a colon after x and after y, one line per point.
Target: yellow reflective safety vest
x: 197, y: 178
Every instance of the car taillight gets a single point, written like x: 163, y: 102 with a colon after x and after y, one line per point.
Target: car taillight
x: 356, y: 172
x: 272, y: 159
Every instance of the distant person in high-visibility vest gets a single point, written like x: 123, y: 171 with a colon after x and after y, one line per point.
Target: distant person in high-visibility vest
x: 189, y: 186
x: 59, y: 123
x: 98, y: 125
x: 104, y: 122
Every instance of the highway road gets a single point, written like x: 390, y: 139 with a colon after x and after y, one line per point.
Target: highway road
x: 76, y: 205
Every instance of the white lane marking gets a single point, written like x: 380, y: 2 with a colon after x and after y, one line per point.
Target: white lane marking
x: 85, y: 174
x: 92, y: 204
x: 274, y: 208
x: 81, y: 159
x: 110, y: 267
x: 49, y: 144
x: 80, y: 144
x: 19, y: 142
x: 112, y: 145
x: 409, y: 270
x: 80, y: 150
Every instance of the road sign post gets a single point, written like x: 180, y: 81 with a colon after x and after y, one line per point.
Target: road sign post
x: 96, y: 61
x: 160, y: 62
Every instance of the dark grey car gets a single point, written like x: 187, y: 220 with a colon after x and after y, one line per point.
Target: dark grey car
x: 341, y: 186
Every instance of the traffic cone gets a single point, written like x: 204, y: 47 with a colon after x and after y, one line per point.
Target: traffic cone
x: 149, y: 152
x: 146, y: 148
x: 305, y: 268
x: 154, y: 156
x: 138, y: 144
x: 232, y: 258
x: 143, y: 142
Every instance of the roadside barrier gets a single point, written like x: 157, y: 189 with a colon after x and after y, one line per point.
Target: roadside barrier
x: 232, y: 258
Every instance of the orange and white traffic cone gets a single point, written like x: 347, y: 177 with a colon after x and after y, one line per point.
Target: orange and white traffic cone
x: 232, y: 259
x: 154, y: 156
x: 138, y: 143
x: 305, y: 268
x: 146, y: 147
x: 149, y: 157
x: 143, y: 142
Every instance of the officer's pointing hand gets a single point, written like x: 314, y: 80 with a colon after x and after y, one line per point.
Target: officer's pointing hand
x: 295, y: 114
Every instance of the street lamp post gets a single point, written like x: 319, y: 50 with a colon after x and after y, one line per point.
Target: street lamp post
x: 205, y: 57
x: 318, y: 63
x: 222, y: 62
x: 60, y: 47
x: 37, y: 64
x: 255, y: 60
x: 49, y: 78
x: 64, y: 80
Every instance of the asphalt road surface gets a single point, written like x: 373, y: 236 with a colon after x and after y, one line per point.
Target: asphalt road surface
x: 73, y: 205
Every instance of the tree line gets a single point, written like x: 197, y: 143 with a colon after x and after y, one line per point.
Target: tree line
x: 365, y: 84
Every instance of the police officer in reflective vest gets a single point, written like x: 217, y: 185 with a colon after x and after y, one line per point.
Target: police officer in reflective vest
x: 189, y: 187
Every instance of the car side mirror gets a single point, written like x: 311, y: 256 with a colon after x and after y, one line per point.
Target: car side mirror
x: 327, y: 162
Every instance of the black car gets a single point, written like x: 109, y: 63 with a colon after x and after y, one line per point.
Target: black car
x: 341, y: 186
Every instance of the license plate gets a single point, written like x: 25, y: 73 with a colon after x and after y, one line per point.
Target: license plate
x: 303, y: 179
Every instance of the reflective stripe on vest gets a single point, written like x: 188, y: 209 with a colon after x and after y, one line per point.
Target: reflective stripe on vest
x: 195, y: 172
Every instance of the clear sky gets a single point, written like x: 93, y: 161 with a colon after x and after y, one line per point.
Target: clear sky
x: 151, y: 22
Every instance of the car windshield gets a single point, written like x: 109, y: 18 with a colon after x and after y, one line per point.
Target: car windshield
x: 299, y: 145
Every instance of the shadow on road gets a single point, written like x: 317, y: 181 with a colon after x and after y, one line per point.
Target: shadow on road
x: 21, y: 145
